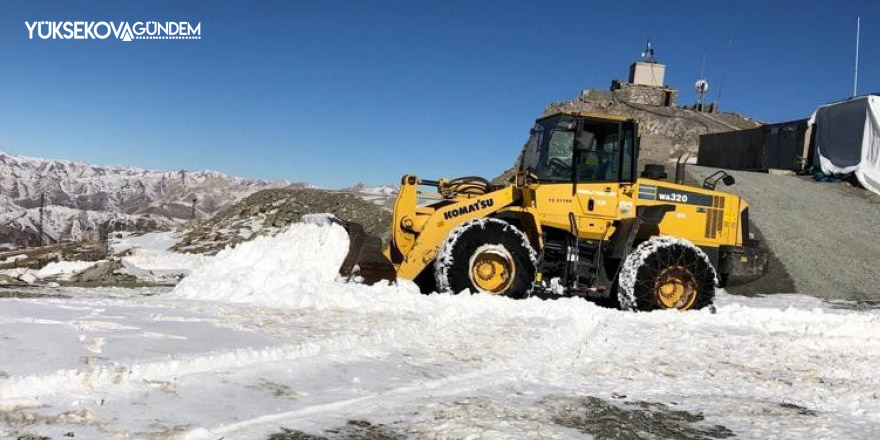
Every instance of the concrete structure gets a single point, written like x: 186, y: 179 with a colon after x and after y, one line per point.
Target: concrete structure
x: 645, y: 87
x: 642, y: 94
x: 647, y: 74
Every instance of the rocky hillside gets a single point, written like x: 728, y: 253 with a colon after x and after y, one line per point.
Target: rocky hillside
x: 266, y: 212
x: 666, y: 132
x: 677, y: 129
x: 82, y: 199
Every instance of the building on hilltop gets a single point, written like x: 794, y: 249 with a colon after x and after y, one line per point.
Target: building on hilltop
x: 645, y: 86
x: 666, y: 130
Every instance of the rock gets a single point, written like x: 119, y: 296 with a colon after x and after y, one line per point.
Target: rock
x: 8, y: 281
x: 108, y: 272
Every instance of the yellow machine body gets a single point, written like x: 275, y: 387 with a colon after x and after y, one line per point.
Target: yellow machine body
x: 707, y: 218
x: 578, y: 211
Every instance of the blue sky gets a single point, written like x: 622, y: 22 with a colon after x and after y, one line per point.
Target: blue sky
x: 334, y: 92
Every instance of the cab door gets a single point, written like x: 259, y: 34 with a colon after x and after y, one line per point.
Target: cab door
x: 597, y: 205
x: 600, y: 170
x: 598, y: 200
x: 583, y: 181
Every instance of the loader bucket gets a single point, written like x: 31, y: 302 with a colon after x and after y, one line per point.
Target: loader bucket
x: 365, y: 262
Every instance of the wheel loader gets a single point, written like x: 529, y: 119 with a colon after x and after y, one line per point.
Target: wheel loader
x: 576, y: 219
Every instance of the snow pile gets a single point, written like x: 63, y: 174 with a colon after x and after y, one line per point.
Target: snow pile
x: 148, y: 256
x: 296, y: 268
x: 63, y: 270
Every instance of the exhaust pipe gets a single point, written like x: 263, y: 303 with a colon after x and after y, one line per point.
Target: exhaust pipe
x: 680, y: 165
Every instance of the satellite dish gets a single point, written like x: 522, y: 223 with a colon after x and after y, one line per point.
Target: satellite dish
x: 701, y: 87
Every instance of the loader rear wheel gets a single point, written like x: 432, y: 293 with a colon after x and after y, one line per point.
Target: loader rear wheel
x: 486, y: 256
x: 666, y: 273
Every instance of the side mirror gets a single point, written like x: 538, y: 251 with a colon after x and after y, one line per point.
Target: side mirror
x: 584, y: 141
x: 719, y: 175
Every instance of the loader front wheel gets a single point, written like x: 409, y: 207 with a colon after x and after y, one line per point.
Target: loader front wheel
x: 486, y: 256
x: 666, y: 273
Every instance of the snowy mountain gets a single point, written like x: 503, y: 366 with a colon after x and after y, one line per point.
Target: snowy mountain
x: 361, y: 188
x: 380, y: 195
x: 81, y: 198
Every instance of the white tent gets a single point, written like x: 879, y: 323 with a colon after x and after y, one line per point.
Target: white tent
x: 848, y: 139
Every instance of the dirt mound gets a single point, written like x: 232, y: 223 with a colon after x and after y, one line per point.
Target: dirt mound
x: 266, y: 212
x: 823, y: 236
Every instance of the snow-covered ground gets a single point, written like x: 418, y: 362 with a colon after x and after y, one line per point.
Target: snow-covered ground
x: 153, y: 241
x: 146, y: 256
x: 264, y: 336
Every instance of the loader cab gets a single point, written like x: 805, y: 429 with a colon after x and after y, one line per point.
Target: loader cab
x: 581, y: 162
x: 572, y: 148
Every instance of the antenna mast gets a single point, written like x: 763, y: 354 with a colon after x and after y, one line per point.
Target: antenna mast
x: 648, y: 54
x: 42, y: 215
x: 723, y: 74
x: 856, y: 79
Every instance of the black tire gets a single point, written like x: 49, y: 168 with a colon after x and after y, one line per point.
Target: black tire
x: 452, y: 268
x: 426, y: 281
x: 662, y: 262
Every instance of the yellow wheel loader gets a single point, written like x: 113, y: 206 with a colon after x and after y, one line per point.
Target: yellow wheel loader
x: 576, y: 220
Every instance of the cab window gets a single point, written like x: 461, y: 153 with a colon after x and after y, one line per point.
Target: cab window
x: 600, y: 162
x: 627, y: 166
x: 550, y: 151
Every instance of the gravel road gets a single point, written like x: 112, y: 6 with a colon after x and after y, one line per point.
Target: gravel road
x: 825, y: 235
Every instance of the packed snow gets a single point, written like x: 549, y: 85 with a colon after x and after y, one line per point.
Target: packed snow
x: 265, y: 336
x: 154, y: 241
x: 149, y: 256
